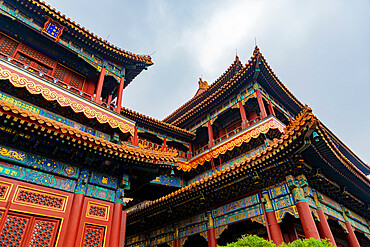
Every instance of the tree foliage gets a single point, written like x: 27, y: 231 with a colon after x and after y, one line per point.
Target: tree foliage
x: 251, y: 241
x: 255, y: 241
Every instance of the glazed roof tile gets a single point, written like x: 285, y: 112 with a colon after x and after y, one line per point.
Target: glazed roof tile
x: 135, y: 152
x: 88, y: 34
x: 131, y: 113
x: 202, y: 101
x: 304, y: 119
x: 220, y: 81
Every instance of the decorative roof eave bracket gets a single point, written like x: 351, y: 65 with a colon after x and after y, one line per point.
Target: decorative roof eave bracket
x: 87, y: 139
x: 290, y: 132
x: 98, y: 67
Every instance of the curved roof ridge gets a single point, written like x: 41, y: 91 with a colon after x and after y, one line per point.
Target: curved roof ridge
x: 156, y: 121
x: 335, y: 140
x: 224, y: 86
x: 290, y: 94
x: 298, y: 123
x: 64, y: 129
x: 304, y: 118
x: 90, y: 35
x: 211, y: 87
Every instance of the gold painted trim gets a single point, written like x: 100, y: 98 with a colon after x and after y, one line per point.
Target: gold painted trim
x: 44, y: 215
x: 107, y: 207
x: 7, y: 193
x: 64, y: 99
x: 20, y: 187
x: 93, y: 224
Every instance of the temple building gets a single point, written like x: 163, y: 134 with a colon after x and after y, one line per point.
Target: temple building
x: 243, y: 156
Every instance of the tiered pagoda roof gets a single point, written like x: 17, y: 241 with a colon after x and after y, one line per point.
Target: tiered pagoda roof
x: 213, y: 89
x: 122, y: 150
x: 157, y: 124
x: 41, y: 12
x: 257, y: 69
x: 324, y: 159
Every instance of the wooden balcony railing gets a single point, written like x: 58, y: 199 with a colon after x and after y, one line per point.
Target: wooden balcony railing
x: 228, y: 135
x: 45, y: 76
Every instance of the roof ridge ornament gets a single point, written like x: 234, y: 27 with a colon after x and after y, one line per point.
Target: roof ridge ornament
x: 256, y: 50
x: 203, y: 84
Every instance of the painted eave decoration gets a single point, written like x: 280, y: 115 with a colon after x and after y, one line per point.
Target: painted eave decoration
x: 277, y: 86
x: 35, y: 85
x: 236, y: 141
x: 122, y: 150
x: 87, y: 34
x: 303, y: 121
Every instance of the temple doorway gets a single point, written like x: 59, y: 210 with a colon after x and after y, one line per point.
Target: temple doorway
x: 196, y: 241
x: 237, y: 230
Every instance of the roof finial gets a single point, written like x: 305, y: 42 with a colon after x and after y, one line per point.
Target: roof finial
x: 202, y: 84
x: 256, y: 49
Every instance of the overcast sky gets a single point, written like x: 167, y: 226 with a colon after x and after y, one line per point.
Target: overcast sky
x: 319, y: 49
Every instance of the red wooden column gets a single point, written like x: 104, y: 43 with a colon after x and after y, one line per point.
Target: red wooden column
x: 116, y: 225
x: 271, y: 220
x: 271, y: 109
x: 351, y: 237
x: 211, y: 233
x: 210, y: 134
x: 176, y: 240
x: 304, y: 211
x: 164, y: 145
x: 323, y: 225
x: 74, y: 219
x: 109, y: 99
x: 122, y: 236
x: 189, y: 152
x: 76, y: 209
x: 243, y: 115
x: 135, y: 139
x: 99, y: 87
x: 260, y: 104
x: 119, y: 95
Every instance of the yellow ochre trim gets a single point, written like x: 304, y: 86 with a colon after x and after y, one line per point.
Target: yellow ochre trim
x: 36, y: 87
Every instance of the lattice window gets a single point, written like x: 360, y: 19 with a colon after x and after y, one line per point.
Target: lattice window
x: 8, y: 46
x: 37, y: 55
x: 24, y: 60
x: 14, y: 230
x: 43, y: 233
x: 40, y: 199
x: 3, y: 190
x: 93, y: 236
x: 43, y: 69
x: 97, y: 211
x: 60, y: 73
x: 76, y: 80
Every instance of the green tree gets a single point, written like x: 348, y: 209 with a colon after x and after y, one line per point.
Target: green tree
x: 255, y: 241
x: 251, y: 241
x: 309, y: 242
